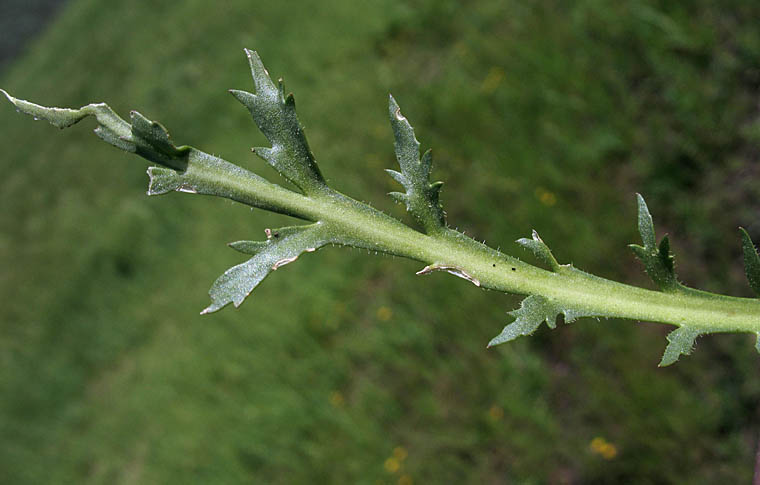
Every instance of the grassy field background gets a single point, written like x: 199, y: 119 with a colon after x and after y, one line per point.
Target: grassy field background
x: 345, y: 367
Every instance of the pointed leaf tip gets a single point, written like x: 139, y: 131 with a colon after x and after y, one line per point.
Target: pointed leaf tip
x: 751, y: 261
x: 540, y: 249
x: 248, y: 247
x: 680, y: 342
x: 646, y: 224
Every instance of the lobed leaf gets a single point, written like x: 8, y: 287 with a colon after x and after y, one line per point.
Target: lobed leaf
x: 533, y: 311
x: 751, y: 261
x: 680, y: 342
x: 275, y: 115
x: 421, y: 197
x: 142, y: 136
x: 658, y: 260
x: 282, y: 246
x: 540, y: 249
x: 111, y: 127
x: 185, y: 169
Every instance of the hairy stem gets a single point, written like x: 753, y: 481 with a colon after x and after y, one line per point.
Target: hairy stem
x: 497, y: 271
x: 338, y: 219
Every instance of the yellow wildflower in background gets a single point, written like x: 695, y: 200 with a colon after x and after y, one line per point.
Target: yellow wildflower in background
x: 545, y: 197
x: 392, y: 465
x: 603, y: 448
x: 384, y: 313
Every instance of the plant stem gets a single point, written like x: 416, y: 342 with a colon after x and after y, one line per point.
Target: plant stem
x: 494, y: 270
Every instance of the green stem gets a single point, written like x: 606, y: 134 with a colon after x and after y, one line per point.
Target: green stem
x: 342, y: 220
x: 492, y: 269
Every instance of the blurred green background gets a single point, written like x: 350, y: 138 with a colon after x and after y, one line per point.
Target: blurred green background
x: 345, y: 367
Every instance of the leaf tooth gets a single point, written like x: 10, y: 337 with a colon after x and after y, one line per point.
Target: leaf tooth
x: 751, y: 261
x: 267, y: 154
x: 400, y: 198
x: 248, y: 247
x: 639, y: 251
x: 281, y: 90
x: 246, y: 99
x: 290, y: 100
x: 397, y: 176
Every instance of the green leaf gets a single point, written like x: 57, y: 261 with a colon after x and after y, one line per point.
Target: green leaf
x: 200, y: 177
x: 646, y: 224
x: 421, y: 197
x: 283, y: 246
x: 751, y: 261
x: 533, y: 311
x: 187, y: 169
x: 142, y: 136
x: 249, y: 247
x: 540, y: 249
x: 275, y: 115
x: 680, y: 342
x: 658, y: 260
x: 111, y: 127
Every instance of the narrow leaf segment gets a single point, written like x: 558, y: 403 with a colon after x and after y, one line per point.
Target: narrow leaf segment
x: 282, y: 246
x: 333, y: 218
x: 421, y: 197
